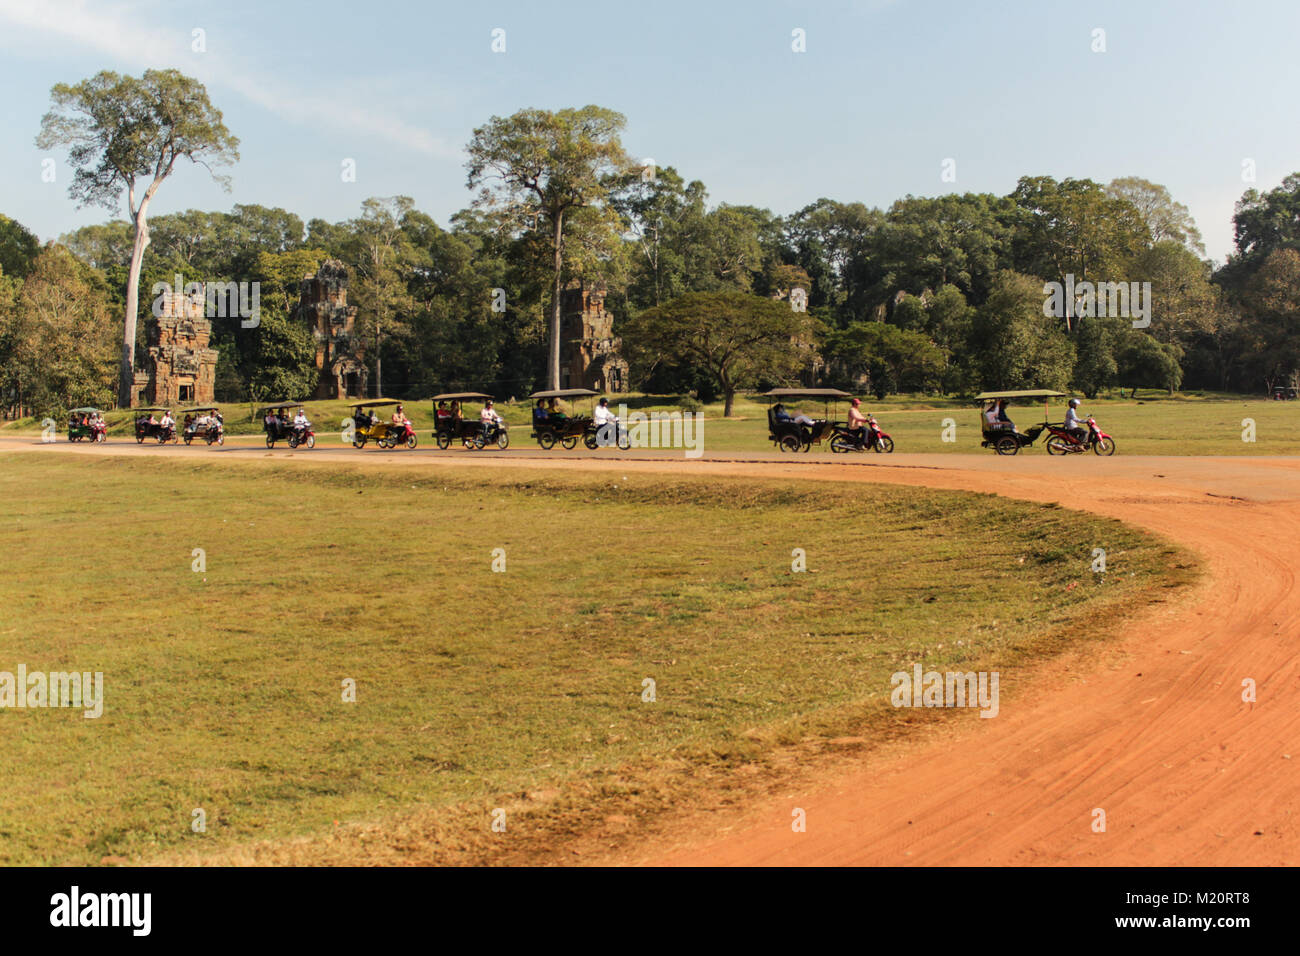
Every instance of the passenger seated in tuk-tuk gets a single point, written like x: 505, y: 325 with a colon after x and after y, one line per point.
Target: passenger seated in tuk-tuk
x: 443, y: 415
x: 783, y: 416
x: 539, y: 413
x: 996, y: 418
x: 554, y: 413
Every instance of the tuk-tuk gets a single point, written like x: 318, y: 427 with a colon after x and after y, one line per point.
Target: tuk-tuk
x: 144, y: 428
x: 789, y: 435
x: 550, y: 425
x: 278, y: 425
x: 366, y: 426
x: 1002, y: 436
x: 203, y: 422
x: 452, y: 425
x: 84, y: 425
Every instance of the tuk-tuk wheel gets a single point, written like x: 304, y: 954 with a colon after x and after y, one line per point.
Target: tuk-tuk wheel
x: 293, y: 442
x: 270, y: 442
x: 188, y: 439
x: 139, y: 439
x: 1007, y: 445
x: 789, y: 443
x: 358, y: 443
x: 570, y: 443
x: 442, y: 440
x: 546, y: 440
x: 590, y: 441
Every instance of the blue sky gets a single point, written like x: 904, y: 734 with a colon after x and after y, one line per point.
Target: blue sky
x: 1184, y: 93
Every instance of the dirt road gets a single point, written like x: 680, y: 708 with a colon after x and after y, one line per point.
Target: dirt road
x: 1186, y: 771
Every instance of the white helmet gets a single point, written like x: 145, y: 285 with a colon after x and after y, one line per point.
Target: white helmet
x: 1074, y: 403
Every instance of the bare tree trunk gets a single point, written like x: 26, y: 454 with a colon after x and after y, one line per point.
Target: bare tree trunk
x: 557, y: 241
x: 126, y: 383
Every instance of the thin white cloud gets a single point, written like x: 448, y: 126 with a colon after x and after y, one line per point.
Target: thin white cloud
x: 115, y: 30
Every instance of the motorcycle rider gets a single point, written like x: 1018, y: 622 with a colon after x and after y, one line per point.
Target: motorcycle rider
x: 858, y: 423
x: 168, y: 423
x: 602, y: 416
x: 401, y: 424
x: 487, y: 418
x: 300, y: 424
x: 1073, y: 424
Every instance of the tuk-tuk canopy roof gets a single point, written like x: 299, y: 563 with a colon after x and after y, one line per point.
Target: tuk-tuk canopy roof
x: 83, y: 410
x: 807, y: 393
x: 152, y: 408
x: 373, y: 401
x: 565, y: 393
x: 267, y: 408
x: 461, y: 397
x: 201, y: 408
x: 1024, y: 393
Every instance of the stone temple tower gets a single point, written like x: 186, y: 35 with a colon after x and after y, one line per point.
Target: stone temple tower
x: 181, y: 368
x: 323, y: 307
x: 589, y: 350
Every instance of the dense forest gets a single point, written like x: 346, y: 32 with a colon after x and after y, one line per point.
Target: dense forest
x: 932, y: 295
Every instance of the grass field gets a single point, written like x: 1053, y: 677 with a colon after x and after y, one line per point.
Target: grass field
x: 477, y: 690
x: 1154, y: 424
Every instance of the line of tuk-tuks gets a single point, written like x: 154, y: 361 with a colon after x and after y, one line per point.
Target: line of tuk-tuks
x: 455, y: 423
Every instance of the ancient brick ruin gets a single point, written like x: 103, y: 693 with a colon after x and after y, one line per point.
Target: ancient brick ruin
x: 180, y: 367
x: 323, y: 306
x: 589, y: 352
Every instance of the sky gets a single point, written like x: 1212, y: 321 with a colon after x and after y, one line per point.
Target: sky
x: 885, y: 97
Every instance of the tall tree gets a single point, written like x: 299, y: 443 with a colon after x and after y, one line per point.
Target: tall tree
x: 128, y: 133
x: 734, y: 338
x: 540, y: 165
x: 1165, y: 219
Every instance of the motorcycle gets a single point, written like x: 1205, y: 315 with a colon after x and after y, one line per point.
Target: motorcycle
x: 1064, y: 442
x: 401, y: 434
x: 497, y: 434
x: 301, y: 435
x: 870, y: 438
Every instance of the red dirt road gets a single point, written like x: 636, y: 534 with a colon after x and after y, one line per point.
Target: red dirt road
x: 1186, y: 772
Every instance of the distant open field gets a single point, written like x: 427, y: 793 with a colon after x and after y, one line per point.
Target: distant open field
x: 476, y: 690
x: 1153, y: 424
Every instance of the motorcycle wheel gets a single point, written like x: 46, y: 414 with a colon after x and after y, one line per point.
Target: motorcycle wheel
x: 1058, y: 446
x: 293, y: 441
x: 311, y: 441
x: 358, y: 443
x: 590, y: 441
x: 885, y: 445
x: 270, y: 442
x: 570, y: 443
x: 841, y: 445
x: 162, y: 439
x: 468, y: 442
x: 411, y: 440
x: 1104, y: 446
x: 546, y: 440
x: 503, y: 440
x: 442, y: 441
